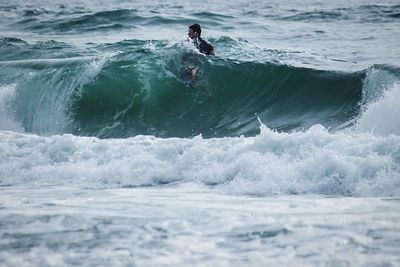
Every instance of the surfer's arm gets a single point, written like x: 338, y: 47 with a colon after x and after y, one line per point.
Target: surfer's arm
x: 212, y: 53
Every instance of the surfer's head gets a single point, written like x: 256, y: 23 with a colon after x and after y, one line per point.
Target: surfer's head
x: 194, y: 31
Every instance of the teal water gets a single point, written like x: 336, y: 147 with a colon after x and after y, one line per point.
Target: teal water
x: 150, y: 92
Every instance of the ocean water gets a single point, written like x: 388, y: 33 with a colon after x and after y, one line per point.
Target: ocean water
x: 284, y: 151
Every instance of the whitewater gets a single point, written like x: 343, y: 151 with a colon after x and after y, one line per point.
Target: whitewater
x: 285, y: 151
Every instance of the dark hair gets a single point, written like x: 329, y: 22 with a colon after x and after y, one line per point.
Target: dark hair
x: 196, y: 28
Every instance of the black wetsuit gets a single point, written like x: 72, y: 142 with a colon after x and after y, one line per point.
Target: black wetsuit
x: 203, y: 46
x: 192, y: 61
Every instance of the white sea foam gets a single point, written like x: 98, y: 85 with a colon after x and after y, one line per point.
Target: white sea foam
x: 311, y: 162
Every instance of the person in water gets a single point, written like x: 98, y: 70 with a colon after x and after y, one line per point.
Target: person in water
x: 202, y: 45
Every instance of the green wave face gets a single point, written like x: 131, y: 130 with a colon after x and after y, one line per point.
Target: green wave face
x: 144, y: 87
x: 146, y: 92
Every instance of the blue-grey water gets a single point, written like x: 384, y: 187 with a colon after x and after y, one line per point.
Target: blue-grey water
x: 284, y: 151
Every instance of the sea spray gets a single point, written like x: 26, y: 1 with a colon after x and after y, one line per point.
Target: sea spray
x: 7, y: 113
x: 381, y: 117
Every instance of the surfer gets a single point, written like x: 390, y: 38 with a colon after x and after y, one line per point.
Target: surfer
x: 202, y: 45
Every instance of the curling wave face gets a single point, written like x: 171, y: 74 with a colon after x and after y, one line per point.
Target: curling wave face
x: 143, y: 87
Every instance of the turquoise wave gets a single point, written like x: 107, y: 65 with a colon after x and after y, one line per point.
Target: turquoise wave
x: 226, y: 100
x: 144, y: 87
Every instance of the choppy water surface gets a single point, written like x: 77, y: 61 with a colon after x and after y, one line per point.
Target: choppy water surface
x: 285, y: 151
x: 190, y: 226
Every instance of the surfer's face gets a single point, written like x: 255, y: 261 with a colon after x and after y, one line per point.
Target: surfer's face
x: 192, y: 34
